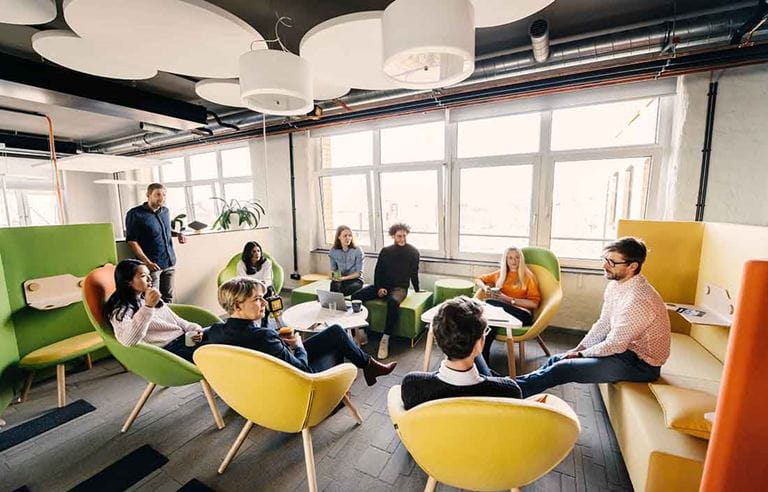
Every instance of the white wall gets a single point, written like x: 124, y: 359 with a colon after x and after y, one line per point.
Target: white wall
x: 738, y: 176
x: 89, y: 203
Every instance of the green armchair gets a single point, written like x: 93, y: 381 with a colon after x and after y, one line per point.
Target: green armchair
x: 157, y: 366
x: 230, y: 271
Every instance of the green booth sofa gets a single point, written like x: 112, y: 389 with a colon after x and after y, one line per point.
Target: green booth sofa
x: 411, y: 309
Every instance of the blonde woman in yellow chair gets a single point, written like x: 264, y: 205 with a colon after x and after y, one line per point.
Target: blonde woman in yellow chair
x: 243, y: 299
x: 513, y: 288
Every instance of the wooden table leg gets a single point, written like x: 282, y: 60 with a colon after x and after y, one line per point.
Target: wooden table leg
x: 61, y: 384
x: 511, y: 357
x: 428, y: 348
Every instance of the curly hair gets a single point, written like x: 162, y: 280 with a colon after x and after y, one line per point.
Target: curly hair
x: 399, y: 226
x: 458, y: 325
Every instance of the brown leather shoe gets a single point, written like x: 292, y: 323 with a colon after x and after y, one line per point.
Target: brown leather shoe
x: 375, y: 369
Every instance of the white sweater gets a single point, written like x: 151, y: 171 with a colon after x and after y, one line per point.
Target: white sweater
x: 155, y: 326
x: 265, y: 274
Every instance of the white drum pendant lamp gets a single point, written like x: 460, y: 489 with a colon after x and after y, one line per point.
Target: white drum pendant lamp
x: 276, y: 82
x: 428, y: 43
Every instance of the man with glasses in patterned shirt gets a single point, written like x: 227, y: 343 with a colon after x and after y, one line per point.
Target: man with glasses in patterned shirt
x: 631, y: 339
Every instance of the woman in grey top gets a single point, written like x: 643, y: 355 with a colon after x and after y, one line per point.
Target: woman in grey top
x: 346, y: 263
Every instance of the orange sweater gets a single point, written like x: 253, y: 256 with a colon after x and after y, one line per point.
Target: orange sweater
x: 529, y: 290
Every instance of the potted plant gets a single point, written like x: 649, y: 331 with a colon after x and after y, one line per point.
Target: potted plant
x: 238, y: 214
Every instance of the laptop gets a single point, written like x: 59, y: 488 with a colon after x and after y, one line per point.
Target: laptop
x: 328, y: 298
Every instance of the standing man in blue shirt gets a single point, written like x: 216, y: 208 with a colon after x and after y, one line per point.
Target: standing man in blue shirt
x: 148, y: 234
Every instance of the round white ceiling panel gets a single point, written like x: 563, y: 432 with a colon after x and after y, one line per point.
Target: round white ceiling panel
x: 324, y: 90
x: 188, y: 37
x: 347, y: 51
x: 489, y: 13
x: 220, y: 91
x: 27, y: 12
x: 67, y: 49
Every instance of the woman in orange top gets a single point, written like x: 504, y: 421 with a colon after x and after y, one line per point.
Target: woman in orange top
x: 513, y: 288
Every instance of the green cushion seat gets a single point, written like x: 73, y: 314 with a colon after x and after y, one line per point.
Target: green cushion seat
x: 448, y: 288
x: 62, y: 351
x: 308, y: 293
x: 409, y: 325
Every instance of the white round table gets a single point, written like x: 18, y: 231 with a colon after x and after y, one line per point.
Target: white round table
x: 302, y: 316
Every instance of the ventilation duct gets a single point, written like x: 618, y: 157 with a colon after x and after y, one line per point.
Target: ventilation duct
x: 539, y: 33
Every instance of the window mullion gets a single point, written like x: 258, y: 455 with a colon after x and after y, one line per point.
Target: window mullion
x: 377, y: 241
x: 453, y: 189
x: 545, y: 184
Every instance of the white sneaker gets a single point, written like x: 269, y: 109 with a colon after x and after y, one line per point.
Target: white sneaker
x: 384, y: 347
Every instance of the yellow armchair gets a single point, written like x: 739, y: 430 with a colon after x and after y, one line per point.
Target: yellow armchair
x: 546, y: 268
x: 460, y: 442
x: 276, y: 396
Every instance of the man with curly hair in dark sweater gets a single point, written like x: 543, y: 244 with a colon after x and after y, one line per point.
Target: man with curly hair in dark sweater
x: 460, y: 328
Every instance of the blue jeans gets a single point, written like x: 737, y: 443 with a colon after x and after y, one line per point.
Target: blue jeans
x: 626, y: 366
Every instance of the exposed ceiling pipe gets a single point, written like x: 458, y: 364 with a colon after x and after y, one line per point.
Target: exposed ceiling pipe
x: 644, y: 43
x: 539, y: 33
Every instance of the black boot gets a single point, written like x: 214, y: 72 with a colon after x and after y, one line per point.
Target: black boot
x: 375, y: 369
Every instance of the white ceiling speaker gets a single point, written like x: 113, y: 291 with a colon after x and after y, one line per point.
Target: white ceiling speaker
x: 220, y: 91
x: 276, y: 82
x: 489, y: 13
x: 346, y: 51
x: 67, y: 49
x: 188, y: 37
x: 428, y: 43
x: 27, y: 12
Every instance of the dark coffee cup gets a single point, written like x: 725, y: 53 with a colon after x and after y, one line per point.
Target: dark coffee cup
x: 357, y: 306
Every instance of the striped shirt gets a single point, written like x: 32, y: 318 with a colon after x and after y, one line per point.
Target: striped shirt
x: 634, y: 318
x: 155, y: 326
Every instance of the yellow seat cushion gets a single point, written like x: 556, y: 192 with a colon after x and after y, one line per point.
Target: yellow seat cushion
x: 313, y: 277
x: 684, y: 409
x: 62, y: 351
x: 691, y: 366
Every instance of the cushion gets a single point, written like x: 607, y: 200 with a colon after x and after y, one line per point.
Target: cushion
x: 62, y: 351
x: 684, y: 409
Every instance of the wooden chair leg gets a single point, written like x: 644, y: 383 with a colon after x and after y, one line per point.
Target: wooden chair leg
x: 88, y: 361
x: 428, y: 348
x: 543, y: 346
x: 61, y: 384
x: 352, y: 408
x: 236, y: 446
x: 511, y: 357
x: 431, y: 485
x: 309, y: 459
x: 521, y: 350
x: 139, y: 405
x: 27, y: 386
x: 212, y: 403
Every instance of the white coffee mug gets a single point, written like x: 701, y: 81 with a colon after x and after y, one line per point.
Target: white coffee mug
x: 188, y: 338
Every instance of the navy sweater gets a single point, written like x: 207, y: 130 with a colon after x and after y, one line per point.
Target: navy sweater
x: 421, y: 387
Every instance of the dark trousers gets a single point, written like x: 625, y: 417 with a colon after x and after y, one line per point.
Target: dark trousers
x: 163, y: 281
x: 178, y: 347
x: 347, y: 287
x: 394, y: 297
x: 626, y: 366
x: 330, y: 347
x: 524, y: 316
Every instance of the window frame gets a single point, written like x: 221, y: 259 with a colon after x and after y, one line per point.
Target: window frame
x: 217, y: 183
x: 543, y: 162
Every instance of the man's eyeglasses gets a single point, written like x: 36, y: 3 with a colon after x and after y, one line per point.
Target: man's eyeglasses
x: 486, y: 331
x: 613, y: 263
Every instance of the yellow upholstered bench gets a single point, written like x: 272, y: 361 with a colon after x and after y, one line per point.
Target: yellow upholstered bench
x: 57, y: 354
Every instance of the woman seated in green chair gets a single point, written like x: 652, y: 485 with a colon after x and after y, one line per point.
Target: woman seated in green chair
x: 254, y: 264
x: 346, y: 263
x: 512, y: 287
x: 137, y: 314
x: 243, y: 299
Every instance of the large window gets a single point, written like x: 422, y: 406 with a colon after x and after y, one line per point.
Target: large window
x: 476, y: 180
x: 193, y: 180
